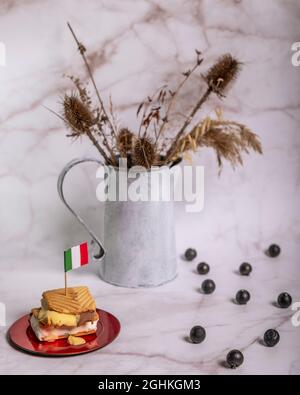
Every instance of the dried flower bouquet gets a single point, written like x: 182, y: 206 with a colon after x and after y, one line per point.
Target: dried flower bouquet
x: 152, y: 144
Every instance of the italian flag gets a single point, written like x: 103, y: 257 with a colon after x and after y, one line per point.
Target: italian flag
x: 76, y: 257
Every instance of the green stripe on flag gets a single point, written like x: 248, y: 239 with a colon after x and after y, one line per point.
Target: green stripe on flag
x: 68, y: 260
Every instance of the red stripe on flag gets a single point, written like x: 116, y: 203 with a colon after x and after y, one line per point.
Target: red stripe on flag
x: 84, y: 256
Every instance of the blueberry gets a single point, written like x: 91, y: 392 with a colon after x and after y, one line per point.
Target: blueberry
x: 274, y: 250
x: 202, y: 268
x: 242, y: 296
x: 197, y: 334
x: 245, y: 269
x: 208, y: 286
x: 234, y: 359
x: 271, y: 337
x: 190, y: 254
x: 284, y: 300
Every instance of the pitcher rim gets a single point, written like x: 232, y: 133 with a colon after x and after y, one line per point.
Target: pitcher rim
x: 152, y: 169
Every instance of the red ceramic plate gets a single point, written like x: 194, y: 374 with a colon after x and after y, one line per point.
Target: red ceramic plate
x: 22, y: 336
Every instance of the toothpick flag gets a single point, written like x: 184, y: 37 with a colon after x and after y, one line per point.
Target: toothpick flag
x: 76, y: 257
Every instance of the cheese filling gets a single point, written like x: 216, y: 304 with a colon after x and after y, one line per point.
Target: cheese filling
x: 51, y: 334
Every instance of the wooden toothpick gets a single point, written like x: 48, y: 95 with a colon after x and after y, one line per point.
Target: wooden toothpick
x: 66, y: 283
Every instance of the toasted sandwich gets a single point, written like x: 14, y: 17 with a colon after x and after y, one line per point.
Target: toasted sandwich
x: 63, y: 314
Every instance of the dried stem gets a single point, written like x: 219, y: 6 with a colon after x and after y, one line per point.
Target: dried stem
x: 145, y: 106
x: 96, y: 144
x: 187, y: 122
x: 113, y: 117
x: 174, y: 96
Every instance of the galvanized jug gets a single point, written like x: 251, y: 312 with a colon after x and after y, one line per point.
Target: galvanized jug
x: 139, y: 239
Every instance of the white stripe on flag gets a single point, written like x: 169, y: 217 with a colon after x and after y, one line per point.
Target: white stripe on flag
x: 76, y: 259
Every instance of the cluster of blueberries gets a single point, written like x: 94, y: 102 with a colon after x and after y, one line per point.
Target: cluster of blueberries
x: 235, y: 358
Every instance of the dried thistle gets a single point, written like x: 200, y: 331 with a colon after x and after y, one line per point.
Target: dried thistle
x: 104, y: 115
x: 222, y: 73
x: 143, y: 152
x: 125, y: 141
x: 79, y: 118
x: 82, y: 51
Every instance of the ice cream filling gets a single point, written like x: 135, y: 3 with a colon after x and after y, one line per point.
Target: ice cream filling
x: 52, y: 333
x: 53, y: 318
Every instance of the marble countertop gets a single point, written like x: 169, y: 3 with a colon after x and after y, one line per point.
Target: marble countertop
x: 156, y: 322
x: 135, y: 46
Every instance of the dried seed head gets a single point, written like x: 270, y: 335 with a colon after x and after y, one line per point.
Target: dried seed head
x: 78, y: 115
x: 224, y: 71
x: 124, y: 141
x: 250, y: 140
x: 144, y: 153
x: 229, y: 139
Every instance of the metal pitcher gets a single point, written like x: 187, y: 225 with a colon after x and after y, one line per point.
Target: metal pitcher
x: 138, y: 249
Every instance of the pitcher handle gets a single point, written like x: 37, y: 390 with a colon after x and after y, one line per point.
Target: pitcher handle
x: 60, y: 190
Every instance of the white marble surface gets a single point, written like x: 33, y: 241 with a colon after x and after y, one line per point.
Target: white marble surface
x: 134, y: 46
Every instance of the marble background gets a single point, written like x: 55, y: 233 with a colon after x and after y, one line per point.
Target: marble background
x: 133, y: 47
